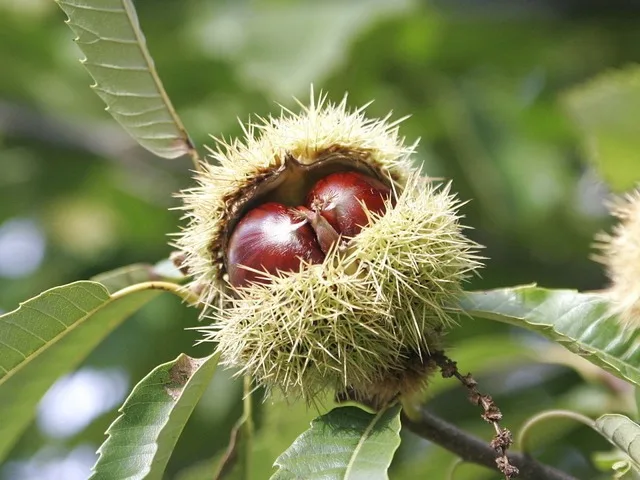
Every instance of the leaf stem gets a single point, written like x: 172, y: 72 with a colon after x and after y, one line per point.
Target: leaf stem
x: 236, y: 460
x: 455, y: 465
x: 248, y: 427
x: 193, y: 153
x: 144, y: 51
x: 524, y: 435
x: 186, y: 295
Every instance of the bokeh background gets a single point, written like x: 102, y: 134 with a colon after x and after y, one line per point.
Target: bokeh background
x: 483, y: 82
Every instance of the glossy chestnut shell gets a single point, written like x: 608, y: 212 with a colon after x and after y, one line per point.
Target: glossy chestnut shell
x: 273, y: 237
x: 339, y: 198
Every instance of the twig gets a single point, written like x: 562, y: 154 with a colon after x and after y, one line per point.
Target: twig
x: 549, y: 415
x: 186, y: 295
x: 474, y: 450
x: 503, y: 439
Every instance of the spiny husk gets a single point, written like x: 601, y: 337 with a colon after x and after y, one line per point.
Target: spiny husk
x: 365, y: 314
x: 620, y: 253
x: 362, y: 323
x: 238, y: 164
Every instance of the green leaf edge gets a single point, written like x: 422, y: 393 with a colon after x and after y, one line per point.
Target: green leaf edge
x: 393, y: 412
x: 513, y: 300
x: 610, y: 426
x: 180, y: 384
x: 13, y: 428
x: 172, y: 145
x: 87, y: 286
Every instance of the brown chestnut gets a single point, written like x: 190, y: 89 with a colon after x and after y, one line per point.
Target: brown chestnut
x: 338, y: 198
x: 272, y: 237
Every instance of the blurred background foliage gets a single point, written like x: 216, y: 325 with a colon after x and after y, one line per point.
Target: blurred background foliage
x: 482, y: 81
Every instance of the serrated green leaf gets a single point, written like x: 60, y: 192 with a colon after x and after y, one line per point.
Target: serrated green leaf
x: 347, y: 443
x: 288, y: 422
x: 122, y: 277
x: 579, y: 321
x: 623, y: 433
x: 606, y: 109
x: 46, y: 337
x: 142, y: 438
x: 109, y: 34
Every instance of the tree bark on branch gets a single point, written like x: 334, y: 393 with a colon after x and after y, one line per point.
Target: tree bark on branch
x: 474, y: 450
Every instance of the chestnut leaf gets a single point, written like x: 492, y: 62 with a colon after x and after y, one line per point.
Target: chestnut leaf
x: 141, y: 440
x: 346, y: 443
x: 623, y: 433
x: 581, y: 322
x: 46, y: 337
x: 109, y: 34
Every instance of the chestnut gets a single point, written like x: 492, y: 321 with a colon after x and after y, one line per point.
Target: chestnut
x: 275, y: 238
x: 272, y: 237
x: 339, y: 197
x: 355, y: 325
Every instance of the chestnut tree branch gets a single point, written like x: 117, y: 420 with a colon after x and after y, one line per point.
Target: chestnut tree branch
x: 490, y: 412
x: 474, y: 450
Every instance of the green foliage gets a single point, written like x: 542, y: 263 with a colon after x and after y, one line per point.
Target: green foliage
x: 48, y: 336
x: 581, y: 322
x: 108, y: 32
x: 346, y: 443
x: 606, y: 109
x: 289, y: 423
x: 482, y: 93
x: 142, y: 439
x: 623, y: 433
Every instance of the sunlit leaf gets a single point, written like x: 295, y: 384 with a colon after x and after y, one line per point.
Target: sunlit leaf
x: 46, y: 337
x: 142, y: 438
x: 288, y: 422
x: 346, y: 443
x: 623, y: 433
x: 581, y: 322
x: 606, y: 109
x: 109, y: 34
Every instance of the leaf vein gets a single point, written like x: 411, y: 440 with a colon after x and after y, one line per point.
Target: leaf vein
x: 125, y: 94
x: 90, y: 7
x: 26, y: 330
x: 11, y: 347
x: 116, y: 67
